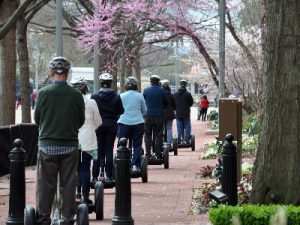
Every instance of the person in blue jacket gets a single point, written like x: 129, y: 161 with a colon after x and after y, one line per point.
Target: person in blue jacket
x: 156, y: 101
x: 131, y: 122
x: 110, y: 107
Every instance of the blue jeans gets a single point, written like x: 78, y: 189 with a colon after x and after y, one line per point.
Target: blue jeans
x: 85, y: 173
x: 183, y: 129
x: 134, y: 133
x: 106, y: 136
x: 169, y: 131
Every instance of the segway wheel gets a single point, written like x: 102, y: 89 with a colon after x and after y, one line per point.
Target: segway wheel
x: 82, y: 215
x: 166, y: 158
x: 193, y: 142
x: 99, y: 200
x: 144, y: 169
x: 175, y: 146
x: 29, y: 216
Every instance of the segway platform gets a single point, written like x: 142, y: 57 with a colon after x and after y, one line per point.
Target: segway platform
x: 142, y: 171
x: 187, y: 145
x: 164, y: 160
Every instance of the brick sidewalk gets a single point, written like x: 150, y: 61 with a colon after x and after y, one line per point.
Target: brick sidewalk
x: 164, y: 200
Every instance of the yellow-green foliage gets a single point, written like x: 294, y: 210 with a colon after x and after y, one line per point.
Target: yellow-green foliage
x: 255, y: 215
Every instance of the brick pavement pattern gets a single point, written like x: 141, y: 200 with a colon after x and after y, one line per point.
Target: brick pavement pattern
x: 164, y: 200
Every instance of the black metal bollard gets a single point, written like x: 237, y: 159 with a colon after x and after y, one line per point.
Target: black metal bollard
x: 229, y: 177
x: 17, y: 184
x: 123, y: 186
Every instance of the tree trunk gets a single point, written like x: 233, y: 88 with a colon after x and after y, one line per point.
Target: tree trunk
x: 138, y: 69
x: 276, y: 169
x: 22, y: 50
x: 7, y: 67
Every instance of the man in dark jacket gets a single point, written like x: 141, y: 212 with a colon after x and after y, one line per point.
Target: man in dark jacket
x: 184, y: 101
x: 110, y: 108
x: 156, y: 101
x: 169, y: 112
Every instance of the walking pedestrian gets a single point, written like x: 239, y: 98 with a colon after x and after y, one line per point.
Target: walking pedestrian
x: 110, y: 107
x: 184, y: 102
x: 59, y: 113
x: 204, y: 104
x: 131, y: 122
x: 87, y: 137
x: 169, y: 112
x: 156, y: 101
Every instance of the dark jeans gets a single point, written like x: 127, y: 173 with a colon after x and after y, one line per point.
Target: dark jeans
x: 85, y: 173
x: 106, y: 136
x: 135, y: 134
x: 203, y: 114
x: 154, y: 127
x: 183, y: 129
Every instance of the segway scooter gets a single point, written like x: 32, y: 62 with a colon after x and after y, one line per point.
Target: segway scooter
x: 191, y: 144
x: 163, y: 160
x: 174, y: 146
x: 97, y: 205
x: 82, y: 214
x: 107, y: 183
x: 143, y: 169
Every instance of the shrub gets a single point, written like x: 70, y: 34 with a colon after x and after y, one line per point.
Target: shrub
x: 252, y: 214
x: 206, y: 171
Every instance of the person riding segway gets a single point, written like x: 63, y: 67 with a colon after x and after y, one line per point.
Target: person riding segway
x: 156, y: 101
x: 184, y: 102
x: 169, y: 116
x: 131, y: 126
x: 110, y: 107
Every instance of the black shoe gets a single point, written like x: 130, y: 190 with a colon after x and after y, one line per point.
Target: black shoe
x: 78, y: 196
x: 158, y: 156
x: 134, y: 169
x: 87, y: 201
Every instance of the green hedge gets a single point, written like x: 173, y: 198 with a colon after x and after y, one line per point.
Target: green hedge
x: 252, y: 214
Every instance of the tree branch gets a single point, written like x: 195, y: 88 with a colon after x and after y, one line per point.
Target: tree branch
x: 13, y: 19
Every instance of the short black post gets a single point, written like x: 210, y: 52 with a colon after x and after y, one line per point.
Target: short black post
x: 229, y: 177
x: 123, y: 186
x: 17, y: 184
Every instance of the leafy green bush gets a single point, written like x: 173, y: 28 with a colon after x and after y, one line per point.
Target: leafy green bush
x: 250, y: 143
x: 212, y: 149
x: 251, y: 125
x: 252, y: 214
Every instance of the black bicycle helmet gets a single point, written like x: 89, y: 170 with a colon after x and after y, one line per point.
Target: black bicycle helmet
x: 79, y: 83
x: 60, y: 64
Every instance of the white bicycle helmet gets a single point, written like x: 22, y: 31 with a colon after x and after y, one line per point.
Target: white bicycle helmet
x: 154, y: 79
x: 183, y: 83
x: 165, y: 82
x: 60, y: 64
x: 131, y: 81
x: 105, y: 77
x: 79, y: 83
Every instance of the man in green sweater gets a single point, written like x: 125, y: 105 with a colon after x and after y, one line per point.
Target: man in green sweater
x: 59, y: 113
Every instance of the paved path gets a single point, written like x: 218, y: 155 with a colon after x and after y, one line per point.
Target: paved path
x: 164, y: 200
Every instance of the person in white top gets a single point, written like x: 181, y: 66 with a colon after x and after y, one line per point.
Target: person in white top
x: 87, y: 137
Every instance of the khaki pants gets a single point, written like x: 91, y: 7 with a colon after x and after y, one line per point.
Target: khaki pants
x: 48, y: 167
